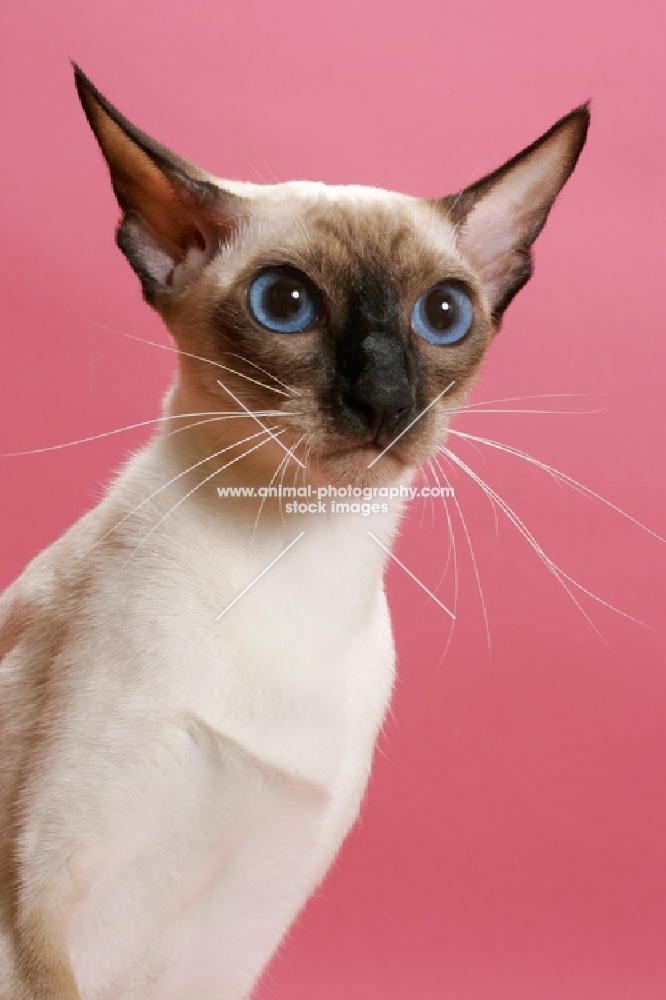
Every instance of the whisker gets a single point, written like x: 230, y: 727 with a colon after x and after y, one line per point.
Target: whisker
x: 419, y: 481
x: 219, y: 414
x: 285, y: 458
x: 294, y: 481
x: 280, y: 484
x: 190, y: 493
x: 209, y: 458
x: 284, y: 470
x: 433, y: 472
x: 247, y: 361
x: 431, y: 500
x: 525, y: 532
x: 302, y: 468
x: 263, y: 426
x: 253, y: 380
x: 433, y: 512
x: 555, y: 413
x: 252, y: 167
x: 187, y: 354
x: 276, y: 179
x: 283, y: 465
x: 279, y: 498
x: 569, y: 480
x: 212, y: 420
x: 306, y: 458
x: 462, y: 190
x: 452, y: 542
x: 539, y: 395
x: 474, y: 566
x: 486, y: 495
x: 556, y: 570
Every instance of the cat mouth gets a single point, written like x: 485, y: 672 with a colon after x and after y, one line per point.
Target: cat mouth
x: 370, y: 445
x: 366, y: 452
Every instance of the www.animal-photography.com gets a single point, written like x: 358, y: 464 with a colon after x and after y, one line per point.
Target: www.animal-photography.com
x: 333, y: 543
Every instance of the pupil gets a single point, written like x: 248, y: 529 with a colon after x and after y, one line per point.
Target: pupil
x: 441, y: 310
x: 285, y: 298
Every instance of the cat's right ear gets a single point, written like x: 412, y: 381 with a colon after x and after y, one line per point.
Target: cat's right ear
x: 174, y: 216
x: 498, y: 218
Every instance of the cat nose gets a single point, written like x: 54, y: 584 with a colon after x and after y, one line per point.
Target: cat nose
x: 379, y: 407
x: 378, y: 394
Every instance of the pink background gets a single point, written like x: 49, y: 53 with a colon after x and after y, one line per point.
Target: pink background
x: 513, y: 842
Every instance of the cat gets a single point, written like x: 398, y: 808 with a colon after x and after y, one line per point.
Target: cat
x: 190, y: 691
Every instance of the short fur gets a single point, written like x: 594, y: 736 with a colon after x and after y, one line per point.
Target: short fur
x: 176, y: 783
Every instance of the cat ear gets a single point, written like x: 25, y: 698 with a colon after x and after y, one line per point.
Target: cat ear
x: 499, y: 217
x: 174, y: 216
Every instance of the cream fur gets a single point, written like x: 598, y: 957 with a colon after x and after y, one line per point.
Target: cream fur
x: 175, y: 777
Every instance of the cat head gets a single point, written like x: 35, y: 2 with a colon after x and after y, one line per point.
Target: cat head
x: 361, y: 315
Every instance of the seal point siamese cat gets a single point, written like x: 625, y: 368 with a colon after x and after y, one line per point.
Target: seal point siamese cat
x: 190, y: 693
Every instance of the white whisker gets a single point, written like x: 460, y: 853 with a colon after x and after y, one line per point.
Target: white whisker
x: 297, y: 445
x: 253, y: 380
x: 453, y: 550
x: 472, y: 409
x: 209, y: 458
x: 283, y: 465
x: 306, y: 456
x: 539, y: 395
x: 433, y: 472
x: 294, y: 481
x: 419, y: 481
x: 283, y: 460
x: 276, y: 179
x: 263, y: 426
x: 284, y: 471
x: 252, y: 167
x: 187, y: 354
x: 561, y: 476
x: 556, y: 570
x: 253, y: 364
x: 191, y: 492
x: 142, y: 423
x: 213, y: 420
x: 474, y: 566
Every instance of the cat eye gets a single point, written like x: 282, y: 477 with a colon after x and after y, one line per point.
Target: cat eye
x: 443, y: 315
x: 283, y: 300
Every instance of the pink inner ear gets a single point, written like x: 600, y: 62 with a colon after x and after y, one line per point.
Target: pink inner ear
x: 512, y: 211
x: 163, y: 261
x: 489, y: 232
x: 491, y: 239
x: 195, y: 259
x: 501, y: 226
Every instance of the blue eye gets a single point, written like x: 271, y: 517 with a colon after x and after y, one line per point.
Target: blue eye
x: 443, y: 315
x: 284, y: 300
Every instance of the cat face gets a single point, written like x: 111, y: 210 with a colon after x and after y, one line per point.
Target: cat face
x: 359, y: 316
x: 346, y: 268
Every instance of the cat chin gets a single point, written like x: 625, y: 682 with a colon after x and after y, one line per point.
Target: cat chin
x: 358, y: 467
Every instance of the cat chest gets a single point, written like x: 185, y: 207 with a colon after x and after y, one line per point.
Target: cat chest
x: 197, y: 883
x: 296, y: 665
x: 269, y: 729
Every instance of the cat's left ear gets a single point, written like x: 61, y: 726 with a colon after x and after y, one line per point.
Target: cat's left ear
x: 175, y: 217
x: 498, y: 218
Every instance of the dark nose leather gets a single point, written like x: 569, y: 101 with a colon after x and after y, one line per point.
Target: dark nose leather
x: 381, y: 395
x: 380, y: 411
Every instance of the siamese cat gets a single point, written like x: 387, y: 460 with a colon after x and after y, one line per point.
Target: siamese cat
x: 190, y: 693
